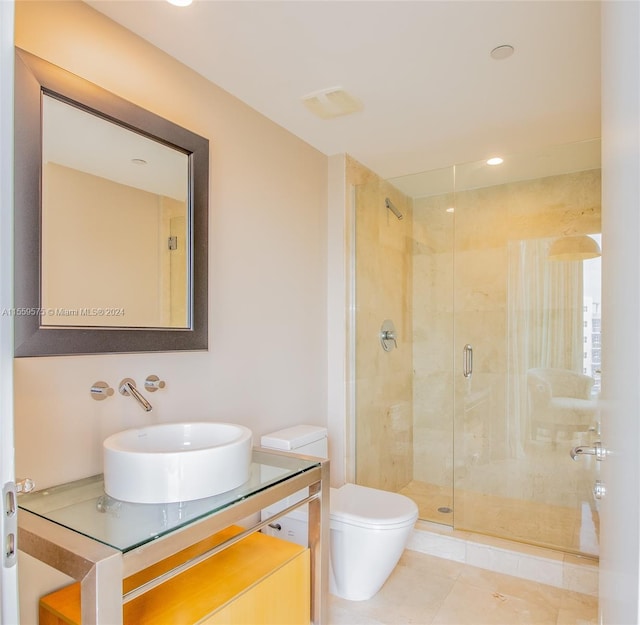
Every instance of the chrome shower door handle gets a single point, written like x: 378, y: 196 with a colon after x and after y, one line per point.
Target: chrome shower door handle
x: 467, y: 361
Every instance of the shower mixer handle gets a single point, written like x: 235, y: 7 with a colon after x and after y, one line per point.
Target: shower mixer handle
x: 388, y: 335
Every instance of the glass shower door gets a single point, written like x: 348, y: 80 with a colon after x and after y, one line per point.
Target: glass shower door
x: 480, y: 355
x: 526, y: 357
x: 433, y: 335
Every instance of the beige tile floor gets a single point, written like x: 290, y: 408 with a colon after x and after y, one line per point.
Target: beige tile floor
x: 425, y: 590
x: 568, y: 528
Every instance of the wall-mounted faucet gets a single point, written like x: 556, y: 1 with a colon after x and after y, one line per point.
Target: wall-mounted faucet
x: 128, y: 387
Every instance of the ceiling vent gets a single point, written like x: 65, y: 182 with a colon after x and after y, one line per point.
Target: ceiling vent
x: 332, y: 102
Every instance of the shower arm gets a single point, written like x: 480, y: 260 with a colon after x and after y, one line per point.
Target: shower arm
x: 390, y: 205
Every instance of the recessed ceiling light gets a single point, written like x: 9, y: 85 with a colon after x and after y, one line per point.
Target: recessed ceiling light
x: 502, y: 52
x: 496, y: 160
x: 451, y: 210
x: 138, y: 161
x: 180, y: 3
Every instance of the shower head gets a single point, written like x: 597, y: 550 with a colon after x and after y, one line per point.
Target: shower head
x: 389, y: 204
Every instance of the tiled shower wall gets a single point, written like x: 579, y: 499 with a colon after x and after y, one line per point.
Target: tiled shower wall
x: 384, y: 380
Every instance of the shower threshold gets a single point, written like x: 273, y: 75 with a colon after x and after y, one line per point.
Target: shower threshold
x: 534, y: 563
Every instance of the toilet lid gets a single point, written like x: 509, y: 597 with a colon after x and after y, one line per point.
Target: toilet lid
x: 370, y: 507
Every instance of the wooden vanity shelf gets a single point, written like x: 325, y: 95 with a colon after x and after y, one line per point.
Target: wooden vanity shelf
x: 260, y: 580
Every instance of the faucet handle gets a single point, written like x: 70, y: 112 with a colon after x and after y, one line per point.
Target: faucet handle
x: 153, y: 383
x: 101, y: 390
x: 25, y: 485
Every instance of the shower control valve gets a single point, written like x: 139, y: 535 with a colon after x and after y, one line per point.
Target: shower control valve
x: 388, y: 335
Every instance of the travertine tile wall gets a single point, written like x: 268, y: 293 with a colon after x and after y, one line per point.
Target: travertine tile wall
x: 384, y: 386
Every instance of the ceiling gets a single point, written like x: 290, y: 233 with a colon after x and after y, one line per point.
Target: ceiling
x: 432, y: 94
x: 126, y: 157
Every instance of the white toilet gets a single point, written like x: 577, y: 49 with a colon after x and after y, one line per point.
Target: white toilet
x: 369, y: 527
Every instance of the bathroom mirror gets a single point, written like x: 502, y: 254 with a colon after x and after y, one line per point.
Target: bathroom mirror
x: 111, y: 221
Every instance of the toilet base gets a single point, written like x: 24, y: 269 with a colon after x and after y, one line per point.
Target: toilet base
x: 361, y: 562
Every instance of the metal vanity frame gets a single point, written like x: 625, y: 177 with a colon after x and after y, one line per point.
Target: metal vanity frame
x: 100, y: 568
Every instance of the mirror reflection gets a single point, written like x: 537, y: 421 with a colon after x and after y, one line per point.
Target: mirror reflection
x: 114, y: 224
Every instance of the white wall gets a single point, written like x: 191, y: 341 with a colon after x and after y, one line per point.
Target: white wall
x: 8, y: 574
x: 267, y: 361
x: 620, y: 472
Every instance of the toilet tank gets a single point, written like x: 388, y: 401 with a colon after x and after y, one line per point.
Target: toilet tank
x: 309, y: 440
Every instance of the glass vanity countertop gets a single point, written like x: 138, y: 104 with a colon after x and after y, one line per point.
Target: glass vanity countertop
x: 83, y: 506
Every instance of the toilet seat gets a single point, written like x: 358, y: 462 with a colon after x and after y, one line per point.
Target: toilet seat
x: 371, y: 508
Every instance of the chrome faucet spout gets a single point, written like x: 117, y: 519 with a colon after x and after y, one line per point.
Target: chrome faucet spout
x: 128, y: 387
x: 597, y: 450
x: 582, y: 449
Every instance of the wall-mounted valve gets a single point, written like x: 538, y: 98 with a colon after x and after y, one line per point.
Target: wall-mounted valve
x: 153, y: 383
x: 388, y: 335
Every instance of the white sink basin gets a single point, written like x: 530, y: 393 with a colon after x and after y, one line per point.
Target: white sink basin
x: 176, y: 461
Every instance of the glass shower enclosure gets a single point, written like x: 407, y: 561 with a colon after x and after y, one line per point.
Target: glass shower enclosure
x: 477, y: 343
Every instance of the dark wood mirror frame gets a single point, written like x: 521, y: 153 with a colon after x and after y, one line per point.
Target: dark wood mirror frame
x: 33, y: 76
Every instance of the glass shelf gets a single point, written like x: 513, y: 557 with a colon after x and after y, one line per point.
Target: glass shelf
x: 83, y: 506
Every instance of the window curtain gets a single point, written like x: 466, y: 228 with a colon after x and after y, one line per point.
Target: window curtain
x: 545, y: 323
